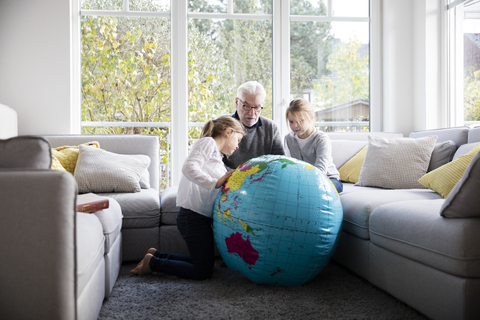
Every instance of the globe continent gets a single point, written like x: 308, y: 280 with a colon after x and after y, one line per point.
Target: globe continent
x: 276, y: 220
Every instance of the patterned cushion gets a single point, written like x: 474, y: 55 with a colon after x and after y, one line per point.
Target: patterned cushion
x: 396, y: 163
x: 98, y: 170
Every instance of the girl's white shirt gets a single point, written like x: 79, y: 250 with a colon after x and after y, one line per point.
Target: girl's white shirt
x: 200, y: 173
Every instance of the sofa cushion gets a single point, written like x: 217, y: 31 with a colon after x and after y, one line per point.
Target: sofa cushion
x: 168, y: 203
x: 396, y: 163
x: 350, y: 171
x: 459, y: 135
x: 65, y: 158
x: 28, y: 152
x: 111, y: 220
x: 415, y: 230
x: 359, y: 203
x: 90, y: 247
x: 463, y: 201
x: 443, y: 153
x: 139, y: 210
x: 443, y: 179
x: 99, y: 170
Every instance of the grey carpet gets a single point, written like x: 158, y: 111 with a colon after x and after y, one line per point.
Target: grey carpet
x: 336, y: 293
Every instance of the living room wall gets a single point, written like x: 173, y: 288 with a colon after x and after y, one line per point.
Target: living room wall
x: 36, y: 66
x: 35, y: 76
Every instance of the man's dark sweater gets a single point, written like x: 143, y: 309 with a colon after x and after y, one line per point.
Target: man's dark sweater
x: 261, y: 139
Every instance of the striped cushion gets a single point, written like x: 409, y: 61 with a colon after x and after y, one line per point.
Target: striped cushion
x: 443, y: 179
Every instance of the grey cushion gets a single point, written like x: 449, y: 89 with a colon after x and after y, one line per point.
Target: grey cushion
x: 361, y: 202
x: 396, y: 163
x: 459, y: 135
x: 464, y: 201
x: 168, y: 203
x: 415, y: 230
x: 442, y: 154
x: 99, y: 170
x: 25, y: 152
x: 140, y: 209
x: 474, y: 135
x: 464, y: 149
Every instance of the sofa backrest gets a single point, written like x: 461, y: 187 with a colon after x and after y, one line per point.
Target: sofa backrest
x: 122, y: 144
x: 459, y: 135
x: 362, y: 136
x: 474, y: 135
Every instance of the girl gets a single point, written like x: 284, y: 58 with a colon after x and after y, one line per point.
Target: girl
x: 307, y: 143
x: 203, y: 174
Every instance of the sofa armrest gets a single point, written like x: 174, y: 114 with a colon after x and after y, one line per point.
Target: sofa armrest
x: 37, y: 245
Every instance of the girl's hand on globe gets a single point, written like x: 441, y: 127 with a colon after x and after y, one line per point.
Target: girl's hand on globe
x: 224, y: 178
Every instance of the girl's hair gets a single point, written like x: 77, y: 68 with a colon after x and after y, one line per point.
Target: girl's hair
x: 215, y: 128
x: 253, y: 88
x: 300, y: 105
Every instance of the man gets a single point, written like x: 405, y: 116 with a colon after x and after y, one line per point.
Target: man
x: 262, y: 136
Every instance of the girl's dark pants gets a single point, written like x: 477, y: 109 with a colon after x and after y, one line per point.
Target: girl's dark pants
x: 197, y: 231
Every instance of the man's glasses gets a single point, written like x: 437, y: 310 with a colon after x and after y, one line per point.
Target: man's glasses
x: 247, y: 107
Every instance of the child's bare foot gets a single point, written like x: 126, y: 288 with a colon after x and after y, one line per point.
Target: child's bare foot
x: 143, y: 268
x: 152, y: 251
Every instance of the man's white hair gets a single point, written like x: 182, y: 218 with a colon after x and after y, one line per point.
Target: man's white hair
x: 252, y: 88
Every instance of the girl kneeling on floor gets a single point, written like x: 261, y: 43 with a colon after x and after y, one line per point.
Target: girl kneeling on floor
x: 203, y: 174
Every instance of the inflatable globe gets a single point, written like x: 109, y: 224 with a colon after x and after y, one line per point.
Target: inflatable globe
x: 276, y: 220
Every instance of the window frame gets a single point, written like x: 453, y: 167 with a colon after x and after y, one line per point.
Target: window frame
x: 178, y: 14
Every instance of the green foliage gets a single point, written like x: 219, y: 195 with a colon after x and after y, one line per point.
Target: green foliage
x: 472, y: 97
x: 348, y: 78
x: 310, y: 46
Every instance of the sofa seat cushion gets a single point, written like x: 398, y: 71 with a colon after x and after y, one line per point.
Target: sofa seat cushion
x: 111, y: 220
x: 168, y: 203
x: 359, y: 204
x: 140, y: 209
x: 90, y: 247
x: 415, y: 230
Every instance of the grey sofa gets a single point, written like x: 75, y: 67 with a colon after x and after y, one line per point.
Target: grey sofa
x: 396, y: 239
x: 58, y: 263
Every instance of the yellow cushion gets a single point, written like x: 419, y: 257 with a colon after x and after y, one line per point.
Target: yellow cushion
x: 65, y: 158
x: 350, y: 171
x: 443, y: 179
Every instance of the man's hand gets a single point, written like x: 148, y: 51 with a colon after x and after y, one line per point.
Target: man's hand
x: 224, y: 178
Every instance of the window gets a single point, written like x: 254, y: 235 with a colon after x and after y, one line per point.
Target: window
x: 464, y: 62
x: 229, y: 43
x: 125, y: 70
x: 329, y: 57
x: 134, y: 52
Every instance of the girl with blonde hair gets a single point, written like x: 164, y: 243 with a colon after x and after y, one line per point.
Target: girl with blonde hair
x: 203, y: 173
x: 307, y: 143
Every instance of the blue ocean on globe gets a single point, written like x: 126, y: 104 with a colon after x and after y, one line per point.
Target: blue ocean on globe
x: 276, y: 220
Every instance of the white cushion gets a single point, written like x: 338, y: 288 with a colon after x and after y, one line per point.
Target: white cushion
x: 98, y: 170
x: 396, y: 163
